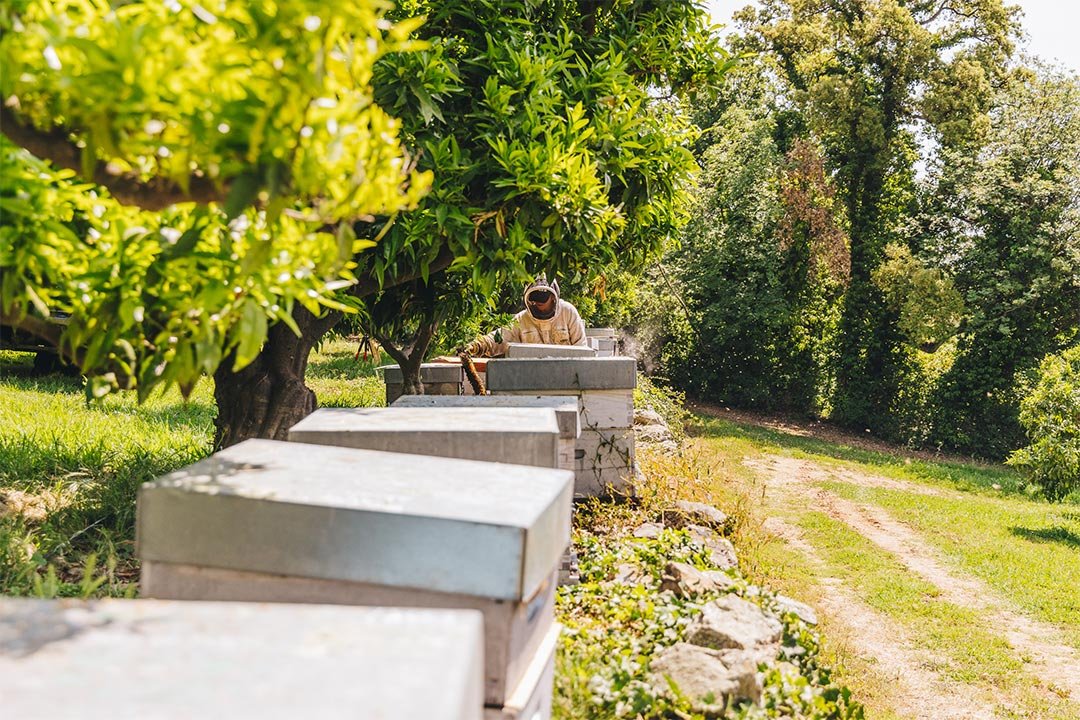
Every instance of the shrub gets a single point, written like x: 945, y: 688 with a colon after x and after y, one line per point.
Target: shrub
x: 1050, y: 414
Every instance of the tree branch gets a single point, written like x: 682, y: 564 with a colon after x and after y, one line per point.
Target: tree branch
x: 41, y: 329
x: 128, y: 189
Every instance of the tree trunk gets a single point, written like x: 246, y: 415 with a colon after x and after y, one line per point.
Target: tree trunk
x: 410, y: 360
x: 267, y: 397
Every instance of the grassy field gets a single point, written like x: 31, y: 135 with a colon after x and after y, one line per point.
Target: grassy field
x: 69, y: 470
x: 977, y: 521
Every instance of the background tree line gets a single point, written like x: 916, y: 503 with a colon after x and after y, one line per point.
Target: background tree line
x: 887, y: 227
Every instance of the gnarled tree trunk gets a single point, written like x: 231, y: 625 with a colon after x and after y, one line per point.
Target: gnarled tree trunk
x: 410, y: 358
x: 267, y: 397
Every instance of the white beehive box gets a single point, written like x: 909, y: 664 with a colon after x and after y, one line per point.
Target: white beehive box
x: 512, y: 630
x: 431, y: 523
x: 536, y: 350
x: 136, y: 659
x: 565, y: 407
x: 539, y: 375
x: 532, y: 698
x: 438, y: 379
x: 604, y: 387
x: 516, y: 435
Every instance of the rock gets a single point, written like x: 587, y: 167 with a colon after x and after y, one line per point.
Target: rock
x: 32, y: 508
x: 731, y: 622
x: 686, y: 580
x: 648, y: 416
x: 709, y: 678
x: 721, y: 551
x: 648, y: 530
x: 627, y: 574
x: 652, y: 434
x: 698, y: 514
x: 801, y: 610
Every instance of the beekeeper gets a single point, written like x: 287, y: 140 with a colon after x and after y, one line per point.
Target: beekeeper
x: 546, y: 319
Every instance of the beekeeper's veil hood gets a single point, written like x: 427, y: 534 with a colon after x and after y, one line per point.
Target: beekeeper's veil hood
x: 537, y: 292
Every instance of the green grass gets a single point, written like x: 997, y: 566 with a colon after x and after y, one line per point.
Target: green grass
x: 86, y: 462
x: 340, y: 379
x: 972, y: 652
x: 1028, y: 552
x: 92, y: 458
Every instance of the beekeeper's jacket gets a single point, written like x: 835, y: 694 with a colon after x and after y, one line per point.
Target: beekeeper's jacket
x: 565, y: 327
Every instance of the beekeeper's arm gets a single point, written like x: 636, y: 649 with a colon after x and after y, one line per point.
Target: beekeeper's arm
x: 496, y: 344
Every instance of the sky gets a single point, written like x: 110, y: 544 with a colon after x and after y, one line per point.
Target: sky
x: 1051, y: 26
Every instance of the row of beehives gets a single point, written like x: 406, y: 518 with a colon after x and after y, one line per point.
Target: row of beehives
x: 458, y: 505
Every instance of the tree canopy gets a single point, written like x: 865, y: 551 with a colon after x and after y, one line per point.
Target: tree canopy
x: 223, y: 169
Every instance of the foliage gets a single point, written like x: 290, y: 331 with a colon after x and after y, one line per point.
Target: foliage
x: 154, y: 298
x: 613, y: 629
x: 1050, y: 414
x: 550, y: 152
x: 757, y: 276
x: 1010, y: 224
x: 272, y: 97
x: 925, y: 299
x: 860, y: 76
x: 261, y: 113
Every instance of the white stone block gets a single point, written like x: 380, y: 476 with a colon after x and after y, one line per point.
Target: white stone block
x: 512, y: 630
x: 536, y: 350
x: 604, y: 449
x: 603, y: 409
x: 439, y: 524
x: 140, y: 659
x: 515, y: 435
x: 543, y: 375
x: 603, y: 481
x: 566, y: 408
x: 532, y: 699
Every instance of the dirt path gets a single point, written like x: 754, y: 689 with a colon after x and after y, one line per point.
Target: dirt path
x: 916, y: 690
x: 1038, y: 643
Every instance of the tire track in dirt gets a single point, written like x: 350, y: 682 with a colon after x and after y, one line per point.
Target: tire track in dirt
x: 1047, y: 656
x: 917, y: 691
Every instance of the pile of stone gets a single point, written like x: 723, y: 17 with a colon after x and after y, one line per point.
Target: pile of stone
x: 716, y: 663
x: 652, y: 431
